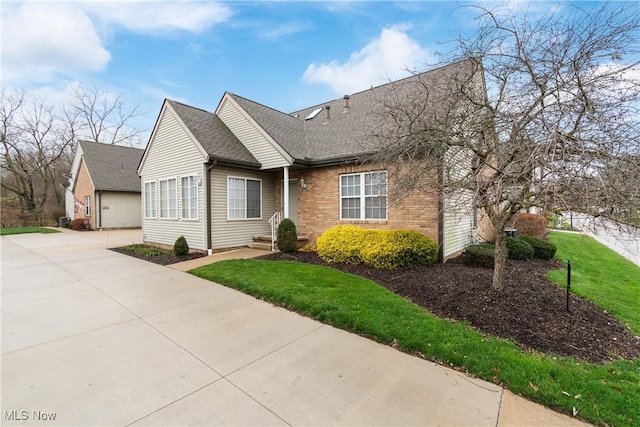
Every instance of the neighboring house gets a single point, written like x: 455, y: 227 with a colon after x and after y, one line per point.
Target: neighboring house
x: 105, y: 186
x: 221, y: 178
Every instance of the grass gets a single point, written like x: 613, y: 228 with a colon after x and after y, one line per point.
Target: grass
x: 146, y: 250
x: 25, y: 230
x: 602, y: 394
x: 601, y: 275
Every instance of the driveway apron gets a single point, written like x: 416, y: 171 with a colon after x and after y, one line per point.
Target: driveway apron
x: 94, y: 337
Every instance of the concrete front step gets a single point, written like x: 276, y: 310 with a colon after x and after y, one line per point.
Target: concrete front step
x: 264, y: 242
x: 261, y: 245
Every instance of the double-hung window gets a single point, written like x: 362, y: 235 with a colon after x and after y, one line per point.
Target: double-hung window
x: 87, y: 205
x: 189, y: 187
x: 363, y: 195
x: 244, y: 197
x: 168, y: 199
x: 150, y: 199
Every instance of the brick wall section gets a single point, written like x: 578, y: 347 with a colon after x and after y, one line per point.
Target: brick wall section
x: 319, y: 206
x: 83, y: 188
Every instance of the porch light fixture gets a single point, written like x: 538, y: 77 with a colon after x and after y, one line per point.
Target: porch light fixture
x: 303, y: 185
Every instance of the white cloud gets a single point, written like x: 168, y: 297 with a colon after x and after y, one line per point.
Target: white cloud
x: 41, y: 40
x: 274, y: 32
x: 389, y: 57
x: 158, y: 17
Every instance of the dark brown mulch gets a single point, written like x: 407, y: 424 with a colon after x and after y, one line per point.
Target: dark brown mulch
x: 530, y: 310
x: 161, y: 259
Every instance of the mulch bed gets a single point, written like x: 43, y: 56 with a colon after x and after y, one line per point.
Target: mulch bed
x: 530, y: 310
x: 161, y: 259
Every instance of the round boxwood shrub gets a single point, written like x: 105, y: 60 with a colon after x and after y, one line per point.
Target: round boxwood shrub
x: 519, y: 249
x: 287, y: 236
x: 541, y: 248
x: 480, y: 255
x: 181, y: 247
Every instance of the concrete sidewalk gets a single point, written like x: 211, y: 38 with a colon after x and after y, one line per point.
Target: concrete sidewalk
x: 93, y: 337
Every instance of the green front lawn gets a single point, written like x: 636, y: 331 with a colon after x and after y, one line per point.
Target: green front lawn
x: 606, y: 393
x: 25, y: 230
x: 601, y: 275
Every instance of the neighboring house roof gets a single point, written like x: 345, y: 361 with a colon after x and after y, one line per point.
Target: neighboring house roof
x: 214, y: 136
x: 112, y: 167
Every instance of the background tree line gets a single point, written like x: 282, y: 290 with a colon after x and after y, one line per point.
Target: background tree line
x: 38, y: 141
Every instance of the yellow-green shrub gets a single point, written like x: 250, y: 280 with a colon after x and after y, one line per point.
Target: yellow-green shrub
x: 341, y: 243
x: 399, y: 248
x: 388, y: 249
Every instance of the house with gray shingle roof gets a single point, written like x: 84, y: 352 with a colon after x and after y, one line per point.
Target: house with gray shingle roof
x: 105, y: 186
x: 225, y: 177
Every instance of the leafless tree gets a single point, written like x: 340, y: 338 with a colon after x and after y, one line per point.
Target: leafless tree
x: 38, y: 139
x: 543, y: 111
x: 104, y: 117
x: 35, y: 149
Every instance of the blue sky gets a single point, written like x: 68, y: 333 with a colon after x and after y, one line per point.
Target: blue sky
x: 287, y: 55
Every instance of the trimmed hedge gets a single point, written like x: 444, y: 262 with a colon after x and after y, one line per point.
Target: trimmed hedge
x: 181, y: 247
x: 541, y: 249
x: 386, y: 249
x: 519, y: 249
x: 523, y: 248
x: 341, y: 244
x: 399, y: 249
x: 287, y: 237
x: 480, y: 255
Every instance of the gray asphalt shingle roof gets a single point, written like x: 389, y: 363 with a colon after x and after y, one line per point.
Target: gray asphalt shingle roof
x: 333, y: 134
x: 214, y: 136
x: 112, y: 167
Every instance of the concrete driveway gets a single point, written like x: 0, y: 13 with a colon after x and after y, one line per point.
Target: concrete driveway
x: 93, y: 337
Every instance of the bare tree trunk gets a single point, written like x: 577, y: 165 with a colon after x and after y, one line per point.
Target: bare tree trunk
x: 500, y: 260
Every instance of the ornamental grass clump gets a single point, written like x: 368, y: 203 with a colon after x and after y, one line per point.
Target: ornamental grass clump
x: 385, y: 249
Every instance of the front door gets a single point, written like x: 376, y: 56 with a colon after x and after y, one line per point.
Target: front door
x: 293, y: 200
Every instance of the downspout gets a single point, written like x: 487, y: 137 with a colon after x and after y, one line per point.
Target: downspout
x: 99, y: 210
x: 207, y: 195
x: 441, y: 235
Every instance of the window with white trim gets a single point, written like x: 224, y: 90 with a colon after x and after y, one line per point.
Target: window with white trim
x: 189, y: 187
x: 244, y: 196
x: 168, y: 199
x: 87, y: 205
x: 150, y: 199
x: 363, y: 195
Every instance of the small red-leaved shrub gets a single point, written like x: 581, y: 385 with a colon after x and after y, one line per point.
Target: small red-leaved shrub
x: 79, y: 224
x: 530, y: 225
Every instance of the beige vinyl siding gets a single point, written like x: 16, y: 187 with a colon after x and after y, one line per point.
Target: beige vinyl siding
x: 230, y: 233
x: 261, y: 148
x: 459, y: 221
x: 119, y: 210
x: 173, y: 154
